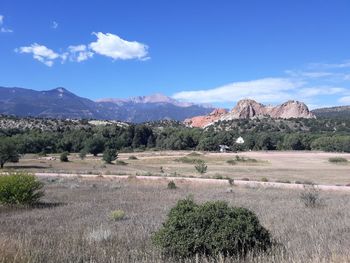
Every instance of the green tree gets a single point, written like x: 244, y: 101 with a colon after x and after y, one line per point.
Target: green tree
x: 95, y: 145
x: 8, y: 152
x: 110, y: 155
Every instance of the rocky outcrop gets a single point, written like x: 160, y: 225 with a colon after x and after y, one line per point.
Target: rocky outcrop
x: 202, y: 121
x: 248, y: 109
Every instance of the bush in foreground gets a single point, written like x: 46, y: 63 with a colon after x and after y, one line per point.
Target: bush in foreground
x: 20, y: 188
x: 211, y: 229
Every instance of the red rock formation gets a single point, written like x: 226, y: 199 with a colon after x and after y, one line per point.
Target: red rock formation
x: 202, y: 121
x: 247, y: 109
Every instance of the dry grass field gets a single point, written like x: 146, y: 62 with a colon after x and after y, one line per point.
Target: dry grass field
x: 273, y: 166
x: 74, y: 224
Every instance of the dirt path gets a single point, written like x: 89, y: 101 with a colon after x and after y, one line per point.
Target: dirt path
x: 204, y: 180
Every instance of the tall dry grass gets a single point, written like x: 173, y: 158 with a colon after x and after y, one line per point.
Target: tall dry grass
x: 79, y: 228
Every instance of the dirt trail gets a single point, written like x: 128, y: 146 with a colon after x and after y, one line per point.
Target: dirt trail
x: 204, y: 180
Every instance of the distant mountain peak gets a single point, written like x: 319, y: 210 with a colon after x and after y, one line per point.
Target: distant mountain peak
x: 153, y: 98
x: 61, y: 103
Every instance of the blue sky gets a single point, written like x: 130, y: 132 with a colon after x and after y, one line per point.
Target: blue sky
x: 202, y: 51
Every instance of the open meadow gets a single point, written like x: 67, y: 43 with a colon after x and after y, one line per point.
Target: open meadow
x: 274, y: 166
x: 73, y: 223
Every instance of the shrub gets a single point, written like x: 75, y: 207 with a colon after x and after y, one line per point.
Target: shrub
x: 64, y: 157
x: 337, y: 160
x: 172, y: 185
x: 110, y: 155
x: 201, y: 168
x: 231, y: 181
x: 120, y: 162
x: 264, y: 179
x: 117, y: 215
x: 310, y: 196
x: 20, y: 188
x: 82, y: 154
x: 133, y: 157
x: 211, y: 229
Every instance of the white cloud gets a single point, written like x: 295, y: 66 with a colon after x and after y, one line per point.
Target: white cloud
x: 54, y: 25
x: 344, y: 100
x: 40, y: 53
x: 79, y: 53
x: 108, y: 44
x: 113, y: 46
x: 2, y: 28
x: 321, y: 90
x: 268, y: 90
x: 342, y: 65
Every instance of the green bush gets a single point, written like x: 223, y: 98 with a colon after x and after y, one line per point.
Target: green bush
x: 264, y: 179
x: 201, y: 168
x: 64, y: 157
x: 82, y: 154
x: 172, y: 185
x: 133, y: 157
x: 20, y: 188
x: 117, y: 215
x: 337, y: 160
x: 211, y: 229
x: 110, y: 155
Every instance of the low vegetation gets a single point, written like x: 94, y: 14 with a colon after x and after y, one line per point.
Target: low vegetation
x: 20, y: 188
x: 91, y: 235
x: 171, y: 185
x: 64, y: 157
x: 117, y: 215
x: 241, y: 159
x: 338, y: 160
x: 110, y: 155
x: 211, y: 229
x: 188, y: 160
x: 201, y: 167
x: 311, y: 196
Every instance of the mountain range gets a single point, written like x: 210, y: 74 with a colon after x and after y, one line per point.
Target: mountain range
x: 61, y: 103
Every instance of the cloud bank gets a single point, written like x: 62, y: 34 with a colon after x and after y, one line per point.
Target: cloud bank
x: 314, y: 85
x: 108, y: 45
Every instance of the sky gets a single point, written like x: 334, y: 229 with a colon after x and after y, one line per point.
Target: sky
x: 204, y: 51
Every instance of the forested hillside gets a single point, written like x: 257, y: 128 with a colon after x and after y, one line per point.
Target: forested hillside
x: 48, y: 136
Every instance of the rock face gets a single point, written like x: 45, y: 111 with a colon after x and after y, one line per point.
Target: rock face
x: 248, y: 109
x: 202, y: 121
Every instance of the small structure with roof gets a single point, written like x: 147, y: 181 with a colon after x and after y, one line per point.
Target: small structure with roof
x: 224, y: 148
